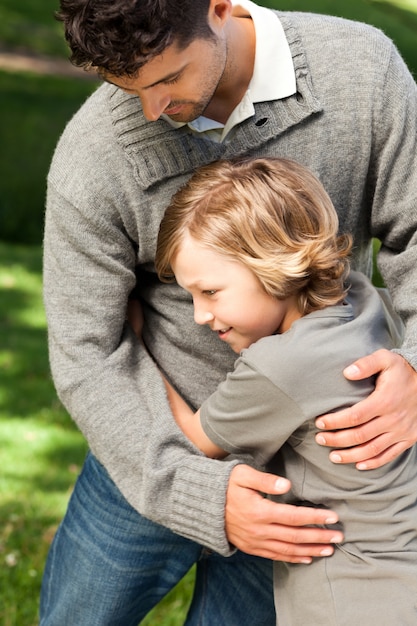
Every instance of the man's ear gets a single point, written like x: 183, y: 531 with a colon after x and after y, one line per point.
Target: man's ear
x: 218, y: 14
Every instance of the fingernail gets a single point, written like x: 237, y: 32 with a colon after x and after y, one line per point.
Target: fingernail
x: 281, y: 483
x: 320, y: 424
x: 335, y: 458
x: 352, y: 370
x: 305, y: 561
x: 331, y: 520
x: 361, y: 466
x: 336, y: 539
x: 326, y: 552
x: 321, y: 440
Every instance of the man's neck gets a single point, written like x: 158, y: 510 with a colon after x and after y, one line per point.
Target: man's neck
x: 238, y: 73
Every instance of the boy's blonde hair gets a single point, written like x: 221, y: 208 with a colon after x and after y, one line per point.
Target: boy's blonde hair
x: 271, y: 214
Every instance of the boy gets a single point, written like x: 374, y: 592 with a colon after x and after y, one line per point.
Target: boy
x: 255, y: 244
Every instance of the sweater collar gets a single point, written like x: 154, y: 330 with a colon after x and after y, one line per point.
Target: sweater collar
x: 158, y: 152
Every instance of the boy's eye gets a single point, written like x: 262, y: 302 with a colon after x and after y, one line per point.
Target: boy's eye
x: 209, y: 292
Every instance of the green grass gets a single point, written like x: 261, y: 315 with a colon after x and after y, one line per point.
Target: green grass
x: 29, y: 26
x: 33, y: 112
x: 40, y: 449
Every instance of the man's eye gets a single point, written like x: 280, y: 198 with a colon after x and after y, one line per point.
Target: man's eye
x: 209, y: 292
x: 174, y: 80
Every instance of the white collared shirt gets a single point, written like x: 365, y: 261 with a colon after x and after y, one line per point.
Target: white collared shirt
x: 272, y: 56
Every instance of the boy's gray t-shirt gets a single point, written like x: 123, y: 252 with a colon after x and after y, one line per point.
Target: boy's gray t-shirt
x: 284, y: 380
x: 269, y: 403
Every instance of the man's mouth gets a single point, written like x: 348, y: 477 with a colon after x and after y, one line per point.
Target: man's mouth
x: 174, y: 110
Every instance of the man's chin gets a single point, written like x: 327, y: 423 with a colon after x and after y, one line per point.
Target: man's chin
x: 185, y: 115
x: 179, y: 119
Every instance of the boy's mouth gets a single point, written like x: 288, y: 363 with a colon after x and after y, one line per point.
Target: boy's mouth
x: 223, y: 332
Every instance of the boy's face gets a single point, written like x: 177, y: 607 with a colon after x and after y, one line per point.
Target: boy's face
x: 178, y: 83
x: 229, y: 298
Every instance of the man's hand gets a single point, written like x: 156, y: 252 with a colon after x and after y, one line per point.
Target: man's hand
x: 275, y: 531
x: 377, y: 429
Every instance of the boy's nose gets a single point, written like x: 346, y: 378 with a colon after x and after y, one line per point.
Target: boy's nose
x: 202, y: 317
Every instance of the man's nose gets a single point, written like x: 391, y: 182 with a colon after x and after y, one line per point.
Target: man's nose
x: 154, y: 104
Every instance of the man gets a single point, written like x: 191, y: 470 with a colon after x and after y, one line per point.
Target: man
x: 188, y: 83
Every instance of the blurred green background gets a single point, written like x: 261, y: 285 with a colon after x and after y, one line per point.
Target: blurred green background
x: 41, y: 451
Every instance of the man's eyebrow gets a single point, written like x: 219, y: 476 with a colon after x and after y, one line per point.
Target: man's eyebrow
x: 165, y: 79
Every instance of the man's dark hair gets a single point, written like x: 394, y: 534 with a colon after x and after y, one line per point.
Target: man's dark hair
x: 119, y: 36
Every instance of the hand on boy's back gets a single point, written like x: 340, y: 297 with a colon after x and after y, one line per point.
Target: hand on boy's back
x: 379, y: 428
x: 282, y: 532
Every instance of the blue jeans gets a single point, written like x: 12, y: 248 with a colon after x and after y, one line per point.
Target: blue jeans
x: 109, y: 566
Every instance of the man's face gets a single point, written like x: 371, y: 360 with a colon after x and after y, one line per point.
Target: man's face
x: 179, y: 83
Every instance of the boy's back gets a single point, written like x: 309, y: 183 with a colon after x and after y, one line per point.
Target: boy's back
x: 279, y: 386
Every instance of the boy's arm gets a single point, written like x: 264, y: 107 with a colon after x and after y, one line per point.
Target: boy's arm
x: 190, y: 424
x: 187, y: 420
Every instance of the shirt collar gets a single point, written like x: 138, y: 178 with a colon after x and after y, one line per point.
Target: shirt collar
x: 273, y: 75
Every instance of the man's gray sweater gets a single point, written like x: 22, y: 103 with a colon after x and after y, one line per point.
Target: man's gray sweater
x: 352, y: 121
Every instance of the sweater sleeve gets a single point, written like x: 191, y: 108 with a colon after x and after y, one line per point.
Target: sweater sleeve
x: 110, y: 385
x: 394, y: 212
